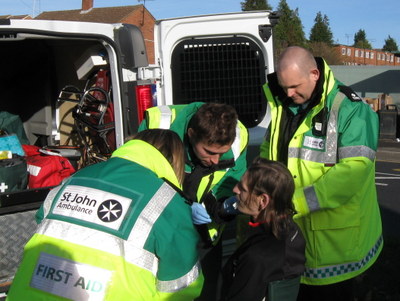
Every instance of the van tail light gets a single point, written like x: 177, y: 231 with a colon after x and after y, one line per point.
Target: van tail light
x: 144, y: 100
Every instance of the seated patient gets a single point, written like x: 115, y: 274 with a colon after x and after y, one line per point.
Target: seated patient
x: 268, y: 265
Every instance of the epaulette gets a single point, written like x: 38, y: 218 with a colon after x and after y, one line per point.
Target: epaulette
x: 350, y: 94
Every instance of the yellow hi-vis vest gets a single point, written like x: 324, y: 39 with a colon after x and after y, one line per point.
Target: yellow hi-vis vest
x: 107, y: 235
x: 334, y: 175
x: 163, y: 117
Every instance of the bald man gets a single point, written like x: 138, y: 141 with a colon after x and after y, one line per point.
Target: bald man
x: 327, y: 137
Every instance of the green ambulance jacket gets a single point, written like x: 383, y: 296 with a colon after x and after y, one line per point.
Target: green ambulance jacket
x: 221, y: 182
x: 334, y: 175
x: 113, y: 231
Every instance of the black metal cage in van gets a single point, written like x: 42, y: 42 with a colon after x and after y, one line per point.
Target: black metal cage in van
x: 229, y: 70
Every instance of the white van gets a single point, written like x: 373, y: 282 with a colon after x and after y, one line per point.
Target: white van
x: 81, y: 89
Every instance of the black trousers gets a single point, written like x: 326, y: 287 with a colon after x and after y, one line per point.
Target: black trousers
x: 211, y: 266
x: 343, y: 291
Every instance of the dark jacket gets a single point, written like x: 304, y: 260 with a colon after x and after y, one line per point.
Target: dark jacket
x: 261, y: 259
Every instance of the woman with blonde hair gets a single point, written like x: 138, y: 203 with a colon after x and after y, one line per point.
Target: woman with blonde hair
x: 116, y: 230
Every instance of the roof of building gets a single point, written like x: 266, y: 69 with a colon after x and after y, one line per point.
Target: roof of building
x: 16, y: 17
x: 101, y: 14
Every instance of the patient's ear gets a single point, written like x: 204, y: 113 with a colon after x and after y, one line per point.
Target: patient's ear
x: 190, y: 132
x: 263, y: 200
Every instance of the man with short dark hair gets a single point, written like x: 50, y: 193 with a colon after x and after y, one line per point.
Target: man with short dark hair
x: 216, y: 146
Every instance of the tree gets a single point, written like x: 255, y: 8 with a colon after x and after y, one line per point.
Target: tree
x: 321, y: 31
x: 327, y: 52
x: 321, y: 40
x: 360, y: 40
x: 255, y: 5
x: 289, y: 30
x: 390, y: 45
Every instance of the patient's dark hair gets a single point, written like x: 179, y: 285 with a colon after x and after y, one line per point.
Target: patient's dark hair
x: 274, y: 179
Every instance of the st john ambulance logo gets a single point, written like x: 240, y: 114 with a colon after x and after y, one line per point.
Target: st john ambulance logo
x: 109, y: 211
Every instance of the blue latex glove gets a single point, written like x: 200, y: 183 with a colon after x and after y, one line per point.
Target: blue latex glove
x: 230, y: 206
x: 199, y: 214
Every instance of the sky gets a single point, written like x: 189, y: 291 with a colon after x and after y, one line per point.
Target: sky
x: 378, y: 19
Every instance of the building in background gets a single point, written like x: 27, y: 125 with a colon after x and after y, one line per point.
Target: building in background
x: 374, y: 57
x: 20, y: 17
x: 133, y: 14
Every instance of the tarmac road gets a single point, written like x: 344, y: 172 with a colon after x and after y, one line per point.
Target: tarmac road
x: 388, y: 189
x: 380, y: 282
x: 388, y: 150
x: 388, y: 186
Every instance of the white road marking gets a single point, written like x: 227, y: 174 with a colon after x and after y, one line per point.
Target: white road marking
x: 386, y: 176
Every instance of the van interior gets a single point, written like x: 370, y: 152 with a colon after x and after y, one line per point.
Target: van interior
x: 60, y: 90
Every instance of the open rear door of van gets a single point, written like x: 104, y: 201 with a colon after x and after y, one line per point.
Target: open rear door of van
x: 218, y: 58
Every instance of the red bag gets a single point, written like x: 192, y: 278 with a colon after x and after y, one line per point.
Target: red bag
x: 46, y: 168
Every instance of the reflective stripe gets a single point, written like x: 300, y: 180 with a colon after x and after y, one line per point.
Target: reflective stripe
x: 331, y: 142
x: 356, y: 151
x: 100, y: 241
x: 236, y: 149
x: 80, y: 235
x: 344, y: 152
x: 49, y: 199
x: 141, y: 258
x: 311, y: 198
x: 182, y: 282
x: 341, y: 269
x: 150, y: 214
x: 108, y: 243
x: 330, y: 156
x: 165, y: 117
x: 306, y: 154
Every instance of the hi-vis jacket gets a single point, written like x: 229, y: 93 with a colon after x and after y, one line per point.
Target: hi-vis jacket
x: 220, y: 182
x: 113, y: 231
x: 334, y: 174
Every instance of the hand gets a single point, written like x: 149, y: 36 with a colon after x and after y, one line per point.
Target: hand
x: 230, y: 206
x: 199, y: 214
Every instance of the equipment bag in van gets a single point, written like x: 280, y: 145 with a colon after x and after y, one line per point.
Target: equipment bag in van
x: 13, y: 174
x: 13, y: 168
x: 46, y: 168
